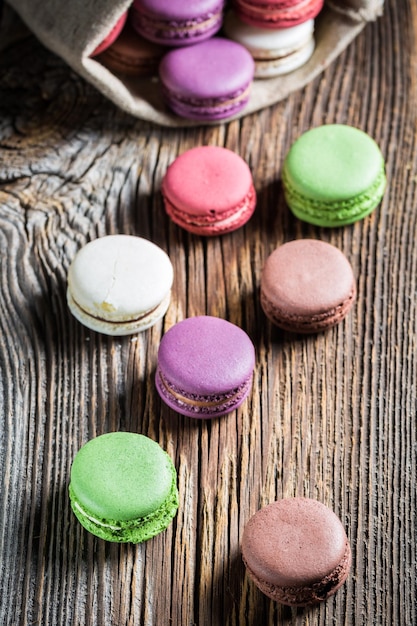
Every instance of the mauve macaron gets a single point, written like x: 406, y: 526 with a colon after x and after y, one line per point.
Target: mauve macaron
x: 205, y: 367
x: 307, y: 286
x: 208, y: 190
x: 177, y: 23
x: 296, y: 551
x: 208, y: 81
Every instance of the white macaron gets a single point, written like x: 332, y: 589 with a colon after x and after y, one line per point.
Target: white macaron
x: 119, y: 284
x: 275, y: 51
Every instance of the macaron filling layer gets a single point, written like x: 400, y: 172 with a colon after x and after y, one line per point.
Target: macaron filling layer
x: 190, y: 29
x: 202, y: 405
x: 122, y: 327
x: 199, y: 108
x: 223, y: 222
x: 338, y: 212
x: 283, y: 64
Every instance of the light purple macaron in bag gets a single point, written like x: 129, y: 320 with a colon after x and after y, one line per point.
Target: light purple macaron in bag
x: 209, y: 81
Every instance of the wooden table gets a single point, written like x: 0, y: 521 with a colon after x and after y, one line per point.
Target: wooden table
x: 331, y: 416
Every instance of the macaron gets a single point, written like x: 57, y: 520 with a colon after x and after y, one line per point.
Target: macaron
x: 132, y: 55
x: 179, y: 23
x: 208, y: 190
x: 119, y: 284
x: 123, y: 487
x: 333, y: 175
x: 275, y: 51
x: 296, y: 551
x: 111, y: 36
x: 205, y: 367
x: 208, y: 81
x: 277, y: 13
x: 307, y: 286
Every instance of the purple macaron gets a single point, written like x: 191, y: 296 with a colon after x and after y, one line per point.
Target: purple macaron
x: 205, y: 367
x: 208, y: 81
x: 178, y: 23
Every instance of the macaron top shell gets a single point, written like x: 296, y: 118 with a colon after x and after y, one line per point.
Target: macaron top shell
x: 207, y: 180
x: 333, y: 162
x: 307, y: 276
x: 206, y: 355
x: 180, y: 9
x: 118, y: 277
x: 215, y: 68
x: 121, y: 476
x: 294, y: 542
x: 276, y: 14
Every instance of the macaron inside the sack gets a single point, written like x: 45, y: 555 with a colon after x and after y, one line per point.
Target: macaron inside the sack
x: 208, y: 81
x: 333, y: 175
x: 307, y: 286
x: 132, y: 55
x: 179, y: 23
x: 123, y: 487
x: 205, y: 367
x: 119, y: 284
x: 277, y: 13
x: 208, y: 190
x: 275, y: 51
x: 296, y: 551
x: 111, y: 37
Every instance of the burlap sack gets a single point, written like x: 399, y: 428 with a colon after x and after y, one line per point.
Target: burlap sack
x: 73, y: 28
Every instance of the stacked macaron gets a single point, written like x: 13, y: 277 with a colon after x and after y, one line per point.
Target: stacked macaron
x: 279, y: 34
x: 206, y: 63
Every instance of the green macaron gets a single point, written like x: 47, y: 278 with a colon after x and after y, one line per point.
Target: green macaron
x: 123, y: 487
x: 333, y: 175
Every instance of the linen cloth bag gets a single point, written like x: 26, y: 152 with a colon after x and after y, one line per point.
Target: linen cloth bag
x: 73, y: 28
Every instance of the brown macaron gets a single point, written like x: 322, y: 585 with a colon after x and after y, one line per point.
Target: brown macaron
x: 307, y: 286
x: 296, y: 551
x: 132, y: 55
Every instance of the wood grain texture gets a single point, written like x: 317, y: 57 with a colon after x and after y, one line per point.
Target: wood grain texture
x: 331, y: 416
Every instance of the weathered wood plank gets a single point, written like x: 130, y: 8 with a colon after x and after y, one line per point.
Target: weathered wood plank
x: 332, y: 416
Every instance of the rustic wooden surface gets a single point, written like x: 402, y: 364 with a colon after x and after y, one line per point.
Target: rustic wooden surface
x: 331, y: 416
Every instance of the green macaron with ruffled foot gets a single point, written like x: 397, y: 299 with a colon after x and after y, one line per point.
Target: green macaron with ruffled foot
x: 123, y: 487
x: 333, y: 175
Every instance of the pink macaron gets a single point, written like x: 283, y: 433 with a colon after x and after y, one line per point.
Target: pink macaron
x: 111, y: 36
x: 208, y: 190
x: 277, y: 13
